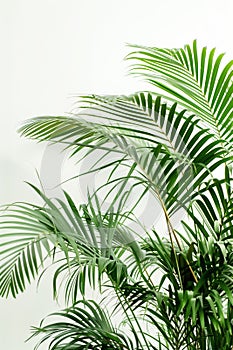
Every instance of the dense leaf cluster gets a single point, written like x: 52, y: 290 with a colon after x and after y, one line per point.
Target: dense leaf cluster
x: 172, y: 291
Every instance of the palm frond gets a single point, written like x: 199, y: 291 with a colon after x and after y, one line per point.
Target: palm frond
x: 195, y: 79
x: 84, y: 326
x: 27, y: 238
x: 170, y: 153
x: 92, y: 244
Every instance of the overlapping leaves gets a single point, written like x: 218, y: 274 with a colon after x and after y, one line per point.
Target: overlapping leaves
x: 196, y: 79
x: 163, y: 149
x: 171, y: 153
x: 84, y: 326
x: 32, y: 233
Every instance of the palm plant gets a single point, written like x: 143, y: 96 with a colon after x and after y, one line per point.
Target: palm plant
x: 159, y: 291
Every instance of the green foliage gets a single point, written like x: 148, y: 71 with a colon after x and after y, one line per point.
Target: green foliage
x: 84, y: 328
x: 160, y: 291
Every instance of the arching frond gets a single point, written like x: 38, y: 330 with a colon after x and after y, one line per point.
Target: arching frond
x: 84, y: 326
x: 194, y: 78
x: 91, y: 245
x: 170, y: 152
x: 27, y: 238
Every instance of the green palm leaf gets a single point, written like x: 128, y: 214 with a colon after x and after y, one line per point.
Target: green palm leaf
x: 170, y: 152
x: 27, y: 238
x: 213, y: 212
x: 84, y: 326
x: 195, y: 79
x: 32, y: 233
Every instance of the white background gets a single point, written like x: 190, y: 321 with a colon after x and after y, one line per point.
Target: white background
x: 54, y: 49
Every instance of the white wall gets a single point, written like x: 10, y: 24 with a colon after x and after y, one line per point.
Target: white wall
x: 53, y: 49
